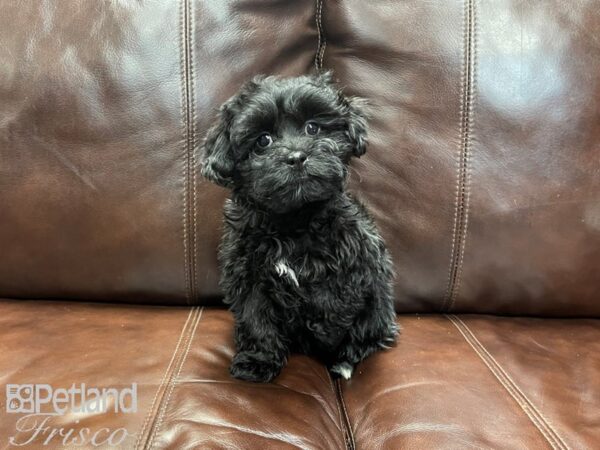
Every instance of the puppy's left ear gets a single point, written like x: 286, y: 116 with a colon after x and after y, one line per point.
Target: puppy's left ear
x: 356, y: 122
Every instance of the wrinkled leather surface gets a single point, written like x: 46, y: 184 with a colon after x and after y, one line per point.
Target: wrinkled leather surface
x: 533, y: 242
x: 514, y: 384
x: 484, y: 164
x: 91, y: 153
x: 101, y: 114
x: 209, y: 409
x: 179, y: 357
x: 483, y: 170
x: 61, y: 343
x: 451, y: 382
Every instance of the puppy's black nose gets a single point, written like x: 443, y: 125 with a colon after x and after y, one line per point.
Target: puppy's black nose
x: 296, y: 159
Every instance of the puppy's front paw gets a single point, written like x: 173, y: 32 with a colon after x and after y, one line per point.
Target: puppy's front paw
x: 343, y: 369
x: 255, y: 367
x: 388, y: 339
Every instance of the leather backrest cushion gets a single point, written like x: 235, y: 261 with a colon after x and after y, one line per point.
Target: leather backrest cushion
x: 484, y: 164
x: 102, y: 107
x: 483, y: 169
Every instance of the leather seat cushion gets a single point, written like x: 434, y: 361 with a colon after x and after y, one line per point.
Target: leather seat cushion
x: 179, y: 358
x: 480, y: 382
x: 458, y: 381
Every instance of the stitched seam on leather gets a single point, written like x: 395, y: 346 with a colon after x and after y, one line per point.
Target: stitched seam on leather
x: 161, y: 386
x: 531, y: 404
x: 461, y: 209
x: 344, y: 418
x: 188, y: 232
x: 468, y: 147
x: 537, y: 418
x: 337, y: 404
x: 192, y: 150
x: 183, y: 71
x: 322, y: 40
x: 177, y: 355
x: 504, y: 384
x: 174, y: 379
x: 457, y: 187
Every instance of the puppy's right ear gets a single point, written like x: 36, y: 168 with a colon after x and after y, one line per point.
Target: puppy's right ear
x: 219, y: 158
x: 219, y: 162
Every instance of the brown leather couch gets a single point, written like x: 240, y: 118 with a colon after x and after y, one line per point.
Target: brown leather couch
x: 483, y: 173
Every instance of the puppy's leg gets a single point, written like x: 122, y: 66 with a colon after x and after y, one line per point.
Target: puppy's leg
x: 374, y: 328
x: 261, y: 348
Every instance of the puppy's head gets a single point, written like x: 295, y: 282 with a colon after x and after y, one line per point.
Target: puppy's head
x: 285, y: 142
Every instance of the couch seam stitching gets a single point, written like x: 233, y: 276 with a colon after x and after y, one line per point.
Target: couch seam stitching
x: 461, y: 208
x: 468, y: 148
x: 346, y: 417
x: 490, y: 367
x: 457, y: 187
x: 186, y: 131
x: 162, y: 382
x: 193, y: 130
x: 322, y: 43
x: 337, y: 404
x: 175, y: 379
x: 183, y: 72
x: 184, y: 96
x: 531, y: 404
x: 536, y: 417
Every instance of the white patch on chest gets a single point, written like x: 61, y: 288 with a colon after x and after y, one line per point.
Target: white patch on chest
x: 283, y: 270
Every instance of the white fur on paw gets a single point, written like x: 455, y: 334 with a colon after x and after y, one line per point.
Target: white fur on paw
x: 283, y: 269
x: 343, y: 369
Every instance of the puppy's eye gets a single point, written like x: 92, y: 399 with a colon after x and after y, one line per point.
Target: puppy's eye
x: 264, y: 140
x: 311, y: 128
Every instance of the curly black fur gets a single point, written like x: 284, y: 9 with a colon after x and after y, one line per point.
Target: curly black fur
x: 304, y: 268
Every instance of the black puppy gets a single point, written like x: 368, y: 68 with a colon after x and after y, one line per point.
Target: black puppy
x: 304, y: 268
